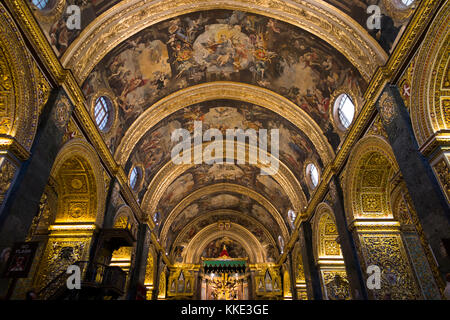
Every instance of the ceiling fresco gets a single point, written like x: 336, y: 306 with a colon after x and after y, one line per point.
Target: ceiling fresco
x: 208, y: 46
x: 223, y: 45
x: 217, y: 201
x: 53, y: 23
x: 221, y: 218
x: 394, y: 16
x: 154, y: 148
x: 202, y: 175
x: 215, y: 247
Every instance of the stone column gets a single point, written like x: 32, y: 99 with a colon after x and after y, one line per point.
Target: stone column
x: 138, y: 270
x: 292, y: 276
x: 347, y: 244
x: 22, y: 202
x: 312, y: 276
x: 426, y: 195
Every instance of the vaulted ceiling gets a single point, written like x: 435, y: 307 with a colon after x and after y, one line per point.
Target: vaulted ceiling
x: 230, y: 64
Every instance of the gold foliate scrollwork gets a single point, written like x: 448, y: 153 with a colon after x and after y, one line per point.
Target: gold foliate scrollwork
x: 429, y: 112
x: 443, y: 174
x: 336, y: 285
x: 7, y: 173
x: 387, y: 252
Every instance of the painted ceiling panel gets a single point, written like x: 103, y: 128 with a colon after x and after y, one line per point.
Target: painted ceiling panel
x: 154, y: 148
x: 217, y: 201
x: 223, y: 45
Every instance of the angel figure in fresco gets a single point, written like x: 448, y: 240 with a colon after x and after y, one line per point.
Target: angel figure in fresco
x: 132, y: 85
x: 59, y: 35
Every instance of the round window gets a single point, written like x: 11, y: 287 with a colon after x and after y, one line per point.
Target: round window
x: 344, y: 110
x: 313, y: 175
x: 103, y: 113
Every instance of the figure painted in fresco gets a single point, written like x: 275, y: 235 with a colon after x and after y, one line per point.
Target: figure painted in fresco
x: 154, y: 148
x: 215, y: 247
x: 224, y: 45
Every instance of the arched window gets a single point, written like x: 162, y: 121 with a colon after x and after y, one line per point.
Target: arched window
x: 313, y: 175
x: 344, y: 110
x: 40, y: 4
x: 102, y: 113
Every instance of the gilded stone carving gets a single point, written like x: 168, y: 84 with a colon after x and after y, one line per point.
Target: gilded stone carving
x: 377, y: 128
x: 223, y: 187
x: 387, y: 252
x: 58, y: 255
x: 7, y: 173
x: 336, y: 285
x: 19, y: 83
x: 62, y: 112
x: 387, y: 107
x: 371, y: 203
x: 371, y: 166
x: 428, y: 112
x: 443, y: 174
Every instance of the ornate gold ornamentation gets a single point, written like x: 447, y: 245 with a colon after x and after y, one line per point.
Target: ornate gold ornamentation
x: 19, y: 98
x: 58, y: 255
x: 204, y: 216
x: 371, y: 202
x: 372, y: 157
x: 223, y: 90
x: 377, y: 128
x: 223, y: 187
x: 77, y: 209
x: 443, y: 174
x: 62, y: 112
x: 336, y: 285
x: 249, y: 242
x: 7, y: 173
x: 387, y: 252
x: 170, y: 172
x: 428, y: 112
x: 325, y: 234
x: 77, y: 160
x: 387, y: 107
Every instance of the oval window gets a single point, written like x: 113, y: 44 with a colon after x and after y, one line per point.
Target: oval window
x: 344, y: 110
x: 102, y: 112
x: 40, y: 4
x: 313, y: 175
x: 135, y: 177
